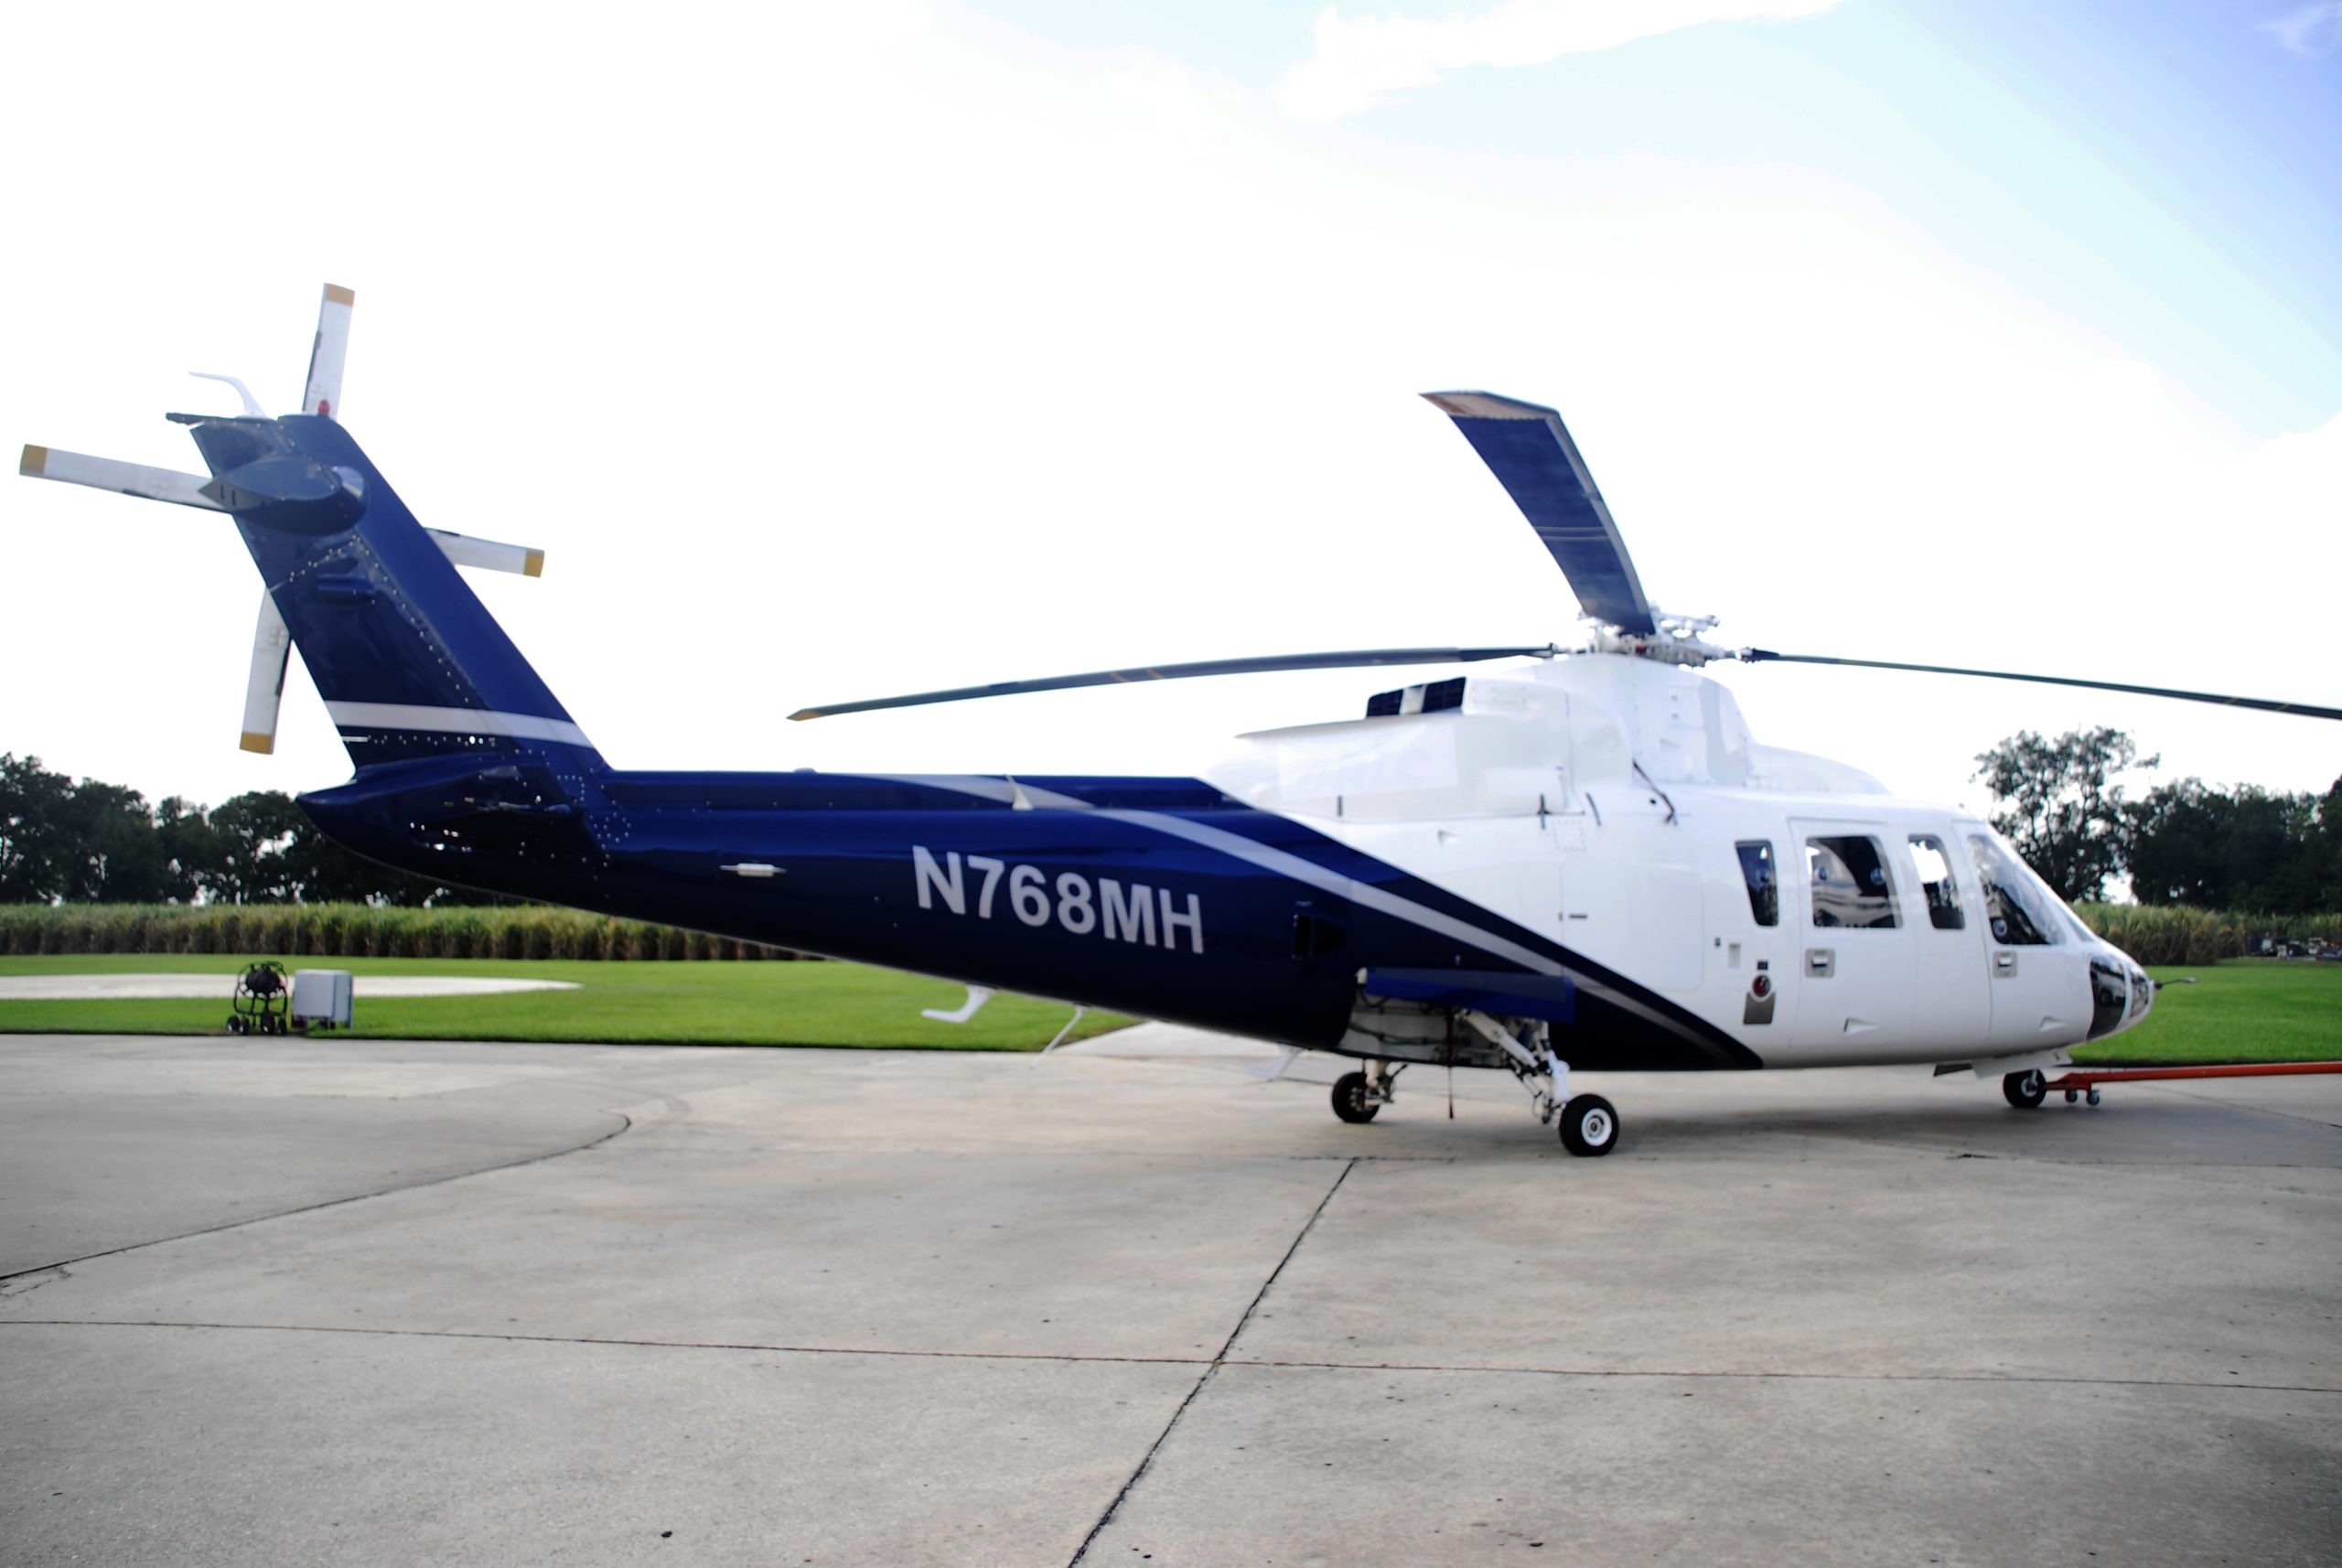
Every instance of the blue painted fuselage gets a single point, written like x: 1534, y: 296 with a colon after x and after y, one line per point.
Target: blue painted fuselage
x: 1155, y: 897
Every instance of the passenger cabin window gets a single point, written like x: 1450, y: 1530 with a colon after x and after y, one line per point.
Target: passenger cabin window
x: 1764, y: 887
x: 1936, y: 882
x: 1850, y: 884
x: 2015, y: 907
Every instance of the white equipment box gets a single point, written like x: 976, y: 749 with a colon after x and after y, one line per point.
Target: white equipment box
x: 321, y: 996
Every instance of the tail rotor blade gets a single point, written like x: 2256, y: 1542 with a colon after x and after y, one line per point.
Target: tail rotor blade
x: 1354, y: 660
x: 323, y: 393
x: 125, y: 479
x: 488, y: 555
x: 2259, y: 704
x: 264, y: 688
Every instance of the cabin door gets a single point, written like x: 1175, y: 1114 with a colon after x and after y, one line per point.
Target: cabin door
x: 1855, y: 970
x: 1951, y: 995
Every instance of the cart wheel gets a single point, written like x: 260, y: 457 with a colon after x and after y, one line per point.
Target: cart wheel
x: 2093, y: 1096
x: 235, y: 1024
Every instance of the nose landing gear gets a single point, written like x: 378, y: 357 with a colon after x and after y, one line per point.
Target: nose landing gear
x: 2026, y: 1091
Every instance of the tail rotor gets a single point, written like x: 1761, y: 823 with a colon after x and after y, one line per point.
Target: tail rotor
x: 321, y: 396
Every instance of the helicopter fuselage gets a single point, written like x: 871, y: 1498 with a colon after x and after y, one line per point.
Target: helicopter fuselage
x: 1603, y: 822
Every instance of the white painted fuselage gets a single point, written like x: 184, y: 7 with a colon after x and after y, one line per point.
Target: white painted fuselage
x: 1619, y: 806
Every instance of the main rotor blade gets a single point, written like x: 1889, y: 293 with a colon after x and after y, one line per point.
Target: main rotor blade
x: 1529, y: 449
x: 1354, y: 660
x: 2261, y: 705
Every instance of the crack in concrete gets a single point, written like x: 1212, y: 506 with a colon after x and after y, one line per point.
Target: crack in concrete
x: 1146, y: 1461
x: 2198, y: 1097
x: 1208, y: 1364
x: 625, y: 1123
x: 16, y: 1287
x: 1949, y: 1149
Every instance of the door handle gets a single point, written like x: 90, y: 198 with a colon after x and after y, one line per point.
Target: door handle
x: 2003, y: 964
x: 1820, y: 963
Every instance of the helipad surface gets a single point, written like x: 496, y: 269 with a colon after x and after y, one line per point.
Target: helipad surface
x: 320, y: 1302
x: 167, y: 987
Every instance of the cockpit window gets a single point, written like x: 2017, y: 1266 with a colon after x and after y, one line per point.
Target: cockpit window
x: 2017, y: 907
x: 1764, y: 886
x: 1851, y: 883
x: 1936, y: 882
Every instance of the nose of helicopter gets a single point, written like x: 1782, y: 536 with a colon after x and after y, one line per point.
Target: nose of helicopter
x: 2120, y: 993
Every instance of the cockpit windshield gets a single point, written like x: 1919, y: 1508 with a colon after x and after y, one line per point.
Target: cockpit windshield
x: 2018, y: 905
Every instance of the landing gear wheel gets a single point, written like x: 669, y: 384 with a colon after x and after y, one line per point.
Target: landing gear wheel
x: 1351, y: 1100
x: 2026, y: 1091
x: 1589, y: 1125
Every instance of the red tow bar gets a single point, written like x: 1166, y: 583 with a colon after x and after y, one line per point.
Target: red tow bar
x: 2084, y: 1078
x: 2086, y: 1081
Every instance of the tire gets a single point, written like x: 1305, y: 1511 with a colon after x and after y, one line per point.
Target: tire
x: 1351, y: 1101
x: 1589, y: 1125
x: 236, y: 1024
x: 2026, y: 1091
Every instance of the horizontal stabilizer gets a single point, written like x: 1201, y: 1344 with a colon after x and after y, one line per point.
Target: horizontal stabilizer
x: 128, y: 478
x: 488, y: 555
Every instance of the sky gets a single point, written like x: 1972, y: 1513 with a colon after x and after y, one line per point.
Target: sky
x: 833, y: 352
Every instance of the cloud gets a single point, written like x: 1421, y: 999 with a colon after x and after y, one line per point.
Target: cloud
x: 2311, y: 31
x: 1362, y: 62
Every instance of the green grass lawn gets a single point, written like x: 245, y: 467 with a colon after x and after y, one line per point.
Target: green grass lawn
x: 2242, y: 1010
x: 787, y: 1004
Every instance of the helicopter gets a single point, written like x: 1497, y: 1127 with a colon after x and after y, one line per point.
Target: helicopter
x: 1579, y: 860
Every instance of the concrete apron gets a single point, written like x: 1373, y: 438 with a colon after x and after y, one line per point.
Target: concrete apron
x: 387, y: 1303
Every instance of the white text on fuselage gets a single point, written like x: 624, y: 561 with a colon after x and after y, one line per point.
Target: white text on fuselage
x: 1112, y: 912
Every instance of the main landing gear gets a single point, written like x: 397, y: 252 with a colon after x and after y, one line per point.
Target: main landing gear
x: 1588, y: 1124
x: 1358, y: 1095
x: 2026, y: 1091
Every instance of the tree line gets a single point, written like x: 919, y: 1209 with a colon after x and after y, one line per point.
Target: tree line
x: 2242, y: 848
x: 72, y: 840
